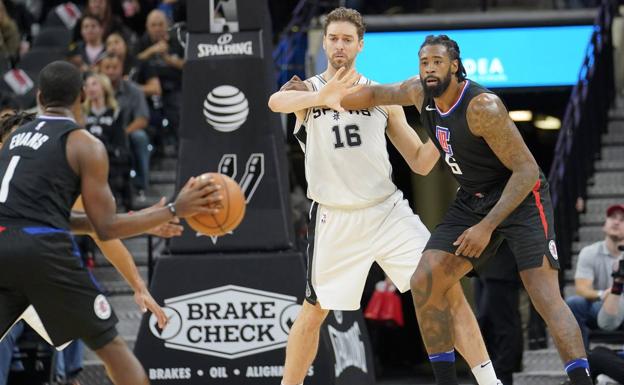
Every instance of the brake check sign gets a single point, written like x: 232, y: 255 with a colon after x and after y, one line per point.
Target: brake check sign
x: 228, y: 322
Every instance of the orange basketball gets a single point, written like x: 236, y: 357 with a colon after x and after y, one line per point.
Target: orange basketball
x: 231, y: 209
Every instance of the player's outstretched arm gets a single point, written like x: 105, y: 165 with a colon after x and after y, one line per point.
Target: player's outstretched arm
x: 87, y: 157
x: 342, y: 83
x: 421, y: 157
x: 488, y: 118
x: 120, y: 257
x: 405, y: 93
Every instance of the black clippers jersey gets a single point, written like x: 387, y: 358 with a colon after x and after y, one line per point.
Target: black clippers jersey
x: 38, y: 185
x: 470, y: 159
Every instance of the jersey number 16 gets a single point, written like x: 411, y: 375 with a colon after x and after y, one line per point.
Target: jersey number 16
x: 352, y: 134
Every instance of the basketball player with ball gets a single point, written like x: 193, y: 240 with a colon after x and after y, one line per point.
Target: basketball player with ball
x: 45, y: 165
x: 358, y: 215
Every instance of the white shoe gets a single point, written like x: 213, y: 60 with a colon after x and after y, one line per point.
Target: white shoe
x: 603, y: 379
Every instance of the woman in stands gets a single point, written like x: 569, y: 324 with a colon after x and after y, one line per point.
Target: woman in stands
x: 102, y: 120
x: 84, y: 54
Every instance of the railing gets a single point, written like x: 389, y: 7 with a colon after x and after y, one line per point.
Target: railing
x: 585, y: 119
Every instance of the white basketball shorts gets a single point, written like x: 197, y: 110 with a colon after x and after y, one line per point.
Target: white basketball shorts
x: 343, y: 244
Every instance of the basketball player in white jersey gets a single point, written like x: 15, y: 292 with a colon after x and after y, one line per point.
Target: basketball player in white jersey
x: 358, y: 216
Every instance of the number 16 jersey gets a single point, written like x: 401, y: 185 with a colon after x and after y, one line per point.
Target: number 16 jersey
x: 346, y: 160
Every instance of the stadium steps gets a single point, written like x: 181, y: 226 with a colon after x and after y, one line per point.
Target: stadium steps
x: 120, y: 295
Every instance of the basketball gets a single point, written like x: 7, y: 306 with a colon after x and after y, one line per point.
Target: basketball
x: 231, y: 209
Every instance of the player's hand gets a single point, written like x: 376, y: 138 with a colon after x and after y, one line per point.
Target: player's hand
x: 294, y: 84
x: 166, y: 230
x: 198, y: 195
x: 340, y: 85
x: 473, y: 241
x: 146, y: 302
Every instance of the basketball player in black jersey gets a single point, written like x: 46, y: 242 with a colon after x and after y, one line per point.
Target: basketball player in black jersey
x: 503, y: 195
x: 44, y: 166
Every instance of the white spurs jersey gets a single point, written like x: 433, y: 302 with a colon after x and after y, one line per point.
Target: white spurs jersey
x: 346, y: 160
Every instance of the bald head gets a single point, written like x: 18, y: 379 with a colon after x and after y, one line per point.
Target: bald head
x: 156, y: 25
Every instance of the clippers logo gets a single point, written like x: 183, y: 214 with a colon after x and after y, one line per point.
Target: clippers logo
x: 226, y: 108
x: 101, y: 307
x: 552, y: 246
x: 348, y: 349
x: 228, y: 322
x: 444, y: 137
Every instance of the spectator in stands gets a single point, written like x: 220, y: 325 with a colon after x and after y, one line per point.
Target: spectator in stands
x: 602, y: 360
x: 593, y: 272
x: 24, y: 19
x: 103, y: 121
x: 162, y: 51
x: 110, y: 22
x: 611, y: 314
x: 86, y: 53
x: 497, y: 291
x: 139, y: 72
x: 9, y: 34
x: 134, y: 116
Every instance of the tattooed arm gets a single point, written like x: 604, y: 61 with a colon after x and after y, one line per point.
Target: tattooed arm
x: 405, y: 93
x: 488, y: 118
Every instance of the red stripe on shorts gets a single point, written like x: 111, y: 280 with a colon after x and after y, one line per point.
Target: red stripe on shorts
x: 540, y: 208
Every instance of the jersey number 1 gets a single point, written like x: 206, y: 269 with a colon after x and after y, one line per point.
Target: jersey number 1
x: 6, y: 180
x: 351, y: 133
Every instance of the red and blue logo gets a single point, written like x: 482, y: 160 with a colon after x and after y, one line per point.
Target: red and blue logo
x: 444, y: 137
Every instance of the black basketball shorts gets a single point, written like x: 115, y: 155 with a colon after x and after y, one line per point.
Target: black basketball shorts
x: 528, y: 229
x: 41, y: 266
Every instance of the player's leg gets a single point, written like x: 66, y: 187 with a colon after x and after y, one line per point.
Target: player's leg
x: 436, y: 274
x: 338, y: 263
x: 542, y: 285
x: 530, y: 235
x: 303, y: 341
x: 122, y: 366
x: 402, y: 240
x: 468, y: 338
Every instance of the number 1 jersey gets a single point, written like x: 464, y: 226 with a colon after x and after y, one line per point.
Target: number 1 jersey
x: 38, y: 185
x: 346, y: 159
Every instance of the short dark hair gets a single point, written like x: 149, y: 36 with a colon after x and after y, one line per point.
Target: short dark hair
x: 60, y: 84
x: 346, y: 14
x: 451, y: 47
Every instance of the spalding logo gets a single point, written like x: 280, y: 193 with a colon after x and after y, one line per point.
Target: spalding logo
x: 226, y: 108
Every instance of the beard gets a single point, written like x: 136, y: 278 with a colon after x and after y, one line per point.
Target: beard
x: 342, y: 63
x: 437, y: 90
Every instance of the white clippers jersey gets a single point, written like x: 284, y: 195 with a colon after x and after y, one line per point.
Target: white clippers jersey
x: 346, y: 160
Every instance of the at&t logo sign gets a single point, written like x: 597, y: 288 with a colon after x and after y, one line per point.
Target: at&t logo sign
x: 226, y: 108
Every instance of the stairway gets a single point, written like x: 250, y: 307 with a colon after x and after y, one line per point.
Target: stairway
x: 120, y: 295
x: 606, y: 187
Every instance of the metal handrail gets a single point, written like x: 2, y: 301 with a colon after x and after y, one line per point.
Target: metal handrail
x: 585, y: 119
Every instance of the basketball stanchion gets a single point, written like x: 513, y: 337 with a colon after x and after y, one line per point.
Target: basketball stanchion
x: 232, y: 291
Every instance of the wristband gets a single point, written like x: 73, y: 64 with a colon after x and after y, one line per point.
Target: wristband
x: 172, y: 209
x: 600, y: 294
